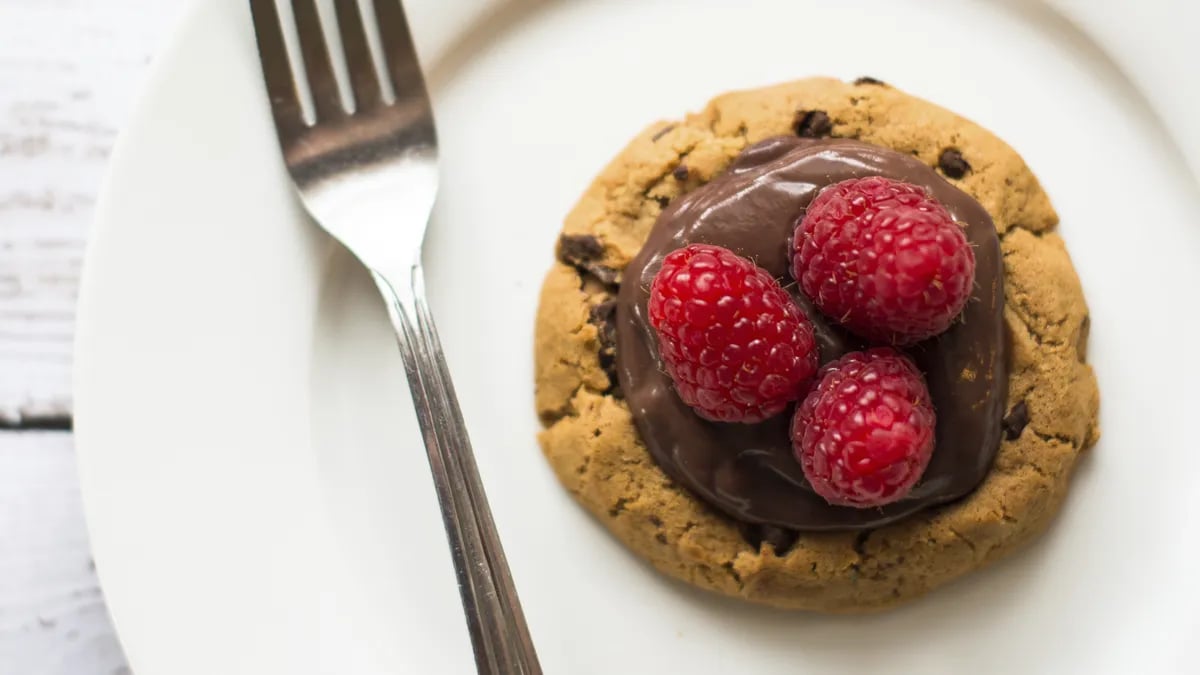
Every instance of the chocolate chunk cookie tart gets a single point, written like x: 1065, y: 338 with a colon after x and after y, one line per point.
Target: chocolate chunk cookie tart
x: 817, y: 346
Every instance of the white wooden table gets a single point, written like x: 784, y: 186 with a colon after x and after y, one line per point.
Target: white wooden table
x: 69, y: 73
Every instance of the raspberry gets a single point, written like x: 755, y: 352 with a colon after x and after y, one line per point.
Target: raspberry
x: 864, y: 434
x: 884, y: 259
x: 736, y: 345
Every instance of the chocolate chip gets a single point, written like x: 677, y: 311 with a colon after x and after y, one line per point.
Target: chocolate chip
x: 662, y: 132
x: 870, y: 80
x: 583, y: 252
x: 756, y: 535
x: 680, y: 173
x: 604, y: 317
x: 575, y: 249
x: 1015, y: 421
x: 663, y: 202
x: 608, y: 363
x: 661, y: 538
x: 860, y: 543
x: 780, y: 539
x: 813, y: 124
x: 655, y: 520
x: 952, y: 164
x: 604, y: 274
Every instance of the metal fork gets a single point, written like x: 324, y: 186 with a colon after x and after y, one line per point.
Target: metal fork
x: 369, y: 177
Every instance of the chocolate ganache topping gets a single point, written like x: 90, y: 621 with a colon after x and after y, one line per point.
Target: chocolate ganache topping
x: 749, y: 470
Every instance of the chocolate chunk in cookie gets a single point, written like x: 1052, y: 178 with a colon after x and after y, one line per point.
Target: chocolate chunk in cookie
x: 604, y: 317
x: 952, y: 164
x: 813, y: 124
x: 584, y: 252
x: 575, y: 249
x: 870, y: 80
x: 780, y: 539
x: 1015, y: 421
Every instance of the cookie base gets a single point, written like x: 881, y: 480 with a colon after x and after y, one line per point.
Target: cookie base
x: 589, y: 436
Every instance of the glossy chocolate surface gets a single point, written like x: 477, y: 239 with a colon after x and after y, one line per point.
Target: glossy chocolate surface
x: 749, y: 471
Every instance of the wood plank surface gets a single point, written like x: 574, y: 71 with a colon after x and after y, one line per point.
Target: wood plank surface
x: 52, y: 615
x: 69, y: 73
x: 69, y: 70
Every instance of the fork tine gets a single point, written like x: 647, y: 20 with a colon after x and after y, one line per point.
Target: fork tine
x: 398, y: 51
x: 327, y: 99
x: 277, y: 73
x: 364, y: 80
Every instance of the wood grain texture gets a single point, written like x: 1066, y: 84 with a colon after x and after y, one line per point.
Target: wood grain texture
x: 52, y: 615
x: 69, y: 72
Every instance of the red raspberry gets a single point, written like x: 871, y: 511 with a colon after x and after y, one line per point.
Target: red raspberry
x: 734, y: 342
x: 883, y: 258
x: 864, y: 434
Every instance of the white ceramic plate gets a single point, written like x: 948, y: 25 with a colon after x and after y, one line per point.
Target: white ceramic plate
x: 258, y: 497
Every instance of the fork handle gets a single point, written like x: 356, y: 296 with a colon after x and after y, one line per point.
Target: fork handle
x: 499, y: 635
